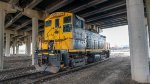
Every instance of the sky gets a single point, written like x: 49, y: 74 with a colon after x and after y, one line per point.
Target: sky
x: 117, y: 36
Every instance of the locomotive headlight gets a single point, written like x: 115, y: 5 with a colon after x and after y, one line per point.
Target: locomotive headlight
x: 39, y: 54
x: 51, y: 54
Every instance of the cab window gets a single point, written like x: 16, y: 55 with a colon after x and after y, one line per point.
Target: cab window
x: 82, y: 24
x: 67, y: 19
x: 67, y: 28
x: 48, y: 23
x: 56, y: 23
x: 78, y: 23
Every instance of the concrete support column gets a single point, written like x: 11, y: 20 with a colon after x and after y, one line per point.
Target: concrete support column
x: 28, y: 45
x: 17, y: 49
x: 14, y: 44
x: 34, y: 37
x: 2, y: 20
x: 7, y: 49
x: 138, y: 41
x: 148, y: 15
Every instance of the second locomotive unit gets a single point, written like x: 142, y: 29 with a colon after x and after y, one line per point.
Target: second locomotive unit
x: 67, y: 43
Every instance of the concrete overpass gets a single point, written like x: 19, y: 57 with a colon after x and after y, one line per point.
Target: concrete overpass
x: 22, y: 19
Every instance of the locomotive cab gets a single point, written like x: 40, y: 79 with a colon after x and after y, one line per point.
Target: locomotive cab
x: 52, y: 54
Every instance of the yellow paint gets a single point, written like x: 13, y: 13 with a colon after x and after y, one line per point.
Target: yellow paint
x: 44, y: 45
x: 62, y: 40
x: 86, y: 50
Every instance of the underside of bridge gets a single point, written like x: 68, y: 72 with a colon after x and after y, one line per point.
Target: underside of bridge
x: 21, y: 17
x: 105, y: 13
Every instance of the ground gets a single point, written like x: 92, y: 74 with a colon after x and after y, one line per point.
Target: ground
x: 116, y: 70
x: 17, y: 62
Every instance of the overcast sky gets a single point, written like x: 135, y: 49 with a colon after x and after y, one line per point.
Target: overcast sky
x: 117, y: 36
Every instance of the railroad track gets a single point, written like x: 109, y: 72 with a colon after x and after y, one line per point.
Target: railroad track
x: 49, y: 77
x: 39, y: 77
x: 18, y: 69
x: 13, y: 73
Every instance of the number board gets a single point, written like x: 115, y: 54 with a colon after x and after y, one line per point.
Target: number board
x: 57, y: 14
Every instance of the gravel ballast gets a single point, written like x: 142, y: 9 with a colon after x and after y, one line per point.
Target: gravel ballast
x: 114, y: 71
x: 14, y: 62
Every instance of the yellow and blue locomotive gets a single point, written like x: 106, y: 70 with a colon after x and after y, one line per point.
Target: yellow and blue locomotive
x: 67, y: 43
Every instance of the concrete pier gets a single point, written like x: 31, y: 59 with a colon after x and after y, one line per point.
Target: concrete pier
x: 2, y: 20
x: 17, y: 49
x: 7, y: 51
x: 34, y: 37
x: 28, y: 45
x: 138, y: 41
x: 14, y: 45
x: 148, y: 15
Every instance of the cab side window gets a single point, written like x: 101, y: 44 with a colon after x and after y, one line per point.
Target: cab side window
x: 56, y: 23
x: 78, y: 23
x: 67, y: 27
x: 67, y: 19
x: 48, y: 23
